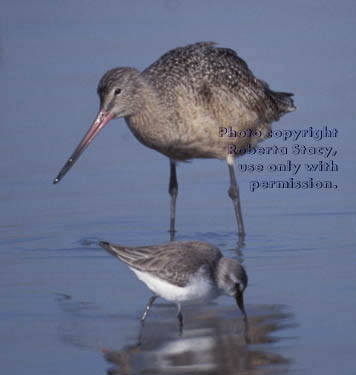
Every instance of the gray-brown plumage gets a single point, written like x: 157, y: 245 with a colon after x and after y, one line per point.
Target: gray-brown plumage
x: 184, y: 272
x: 178, y: 104
x: 173, y: 262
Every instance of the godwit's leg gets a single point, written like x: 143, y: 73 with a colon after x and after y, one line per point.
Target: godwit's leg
x: 235, y: 196
x: 180, y: 318
x: 173, y: 191
x: 147, y: 309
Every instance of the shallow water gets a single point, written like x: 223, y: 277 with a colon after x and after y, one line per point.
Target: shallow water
x: 68, y: 307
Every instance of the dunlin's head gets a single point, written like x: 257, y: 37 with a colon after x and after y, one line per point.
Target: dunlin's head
x: 231, y: 277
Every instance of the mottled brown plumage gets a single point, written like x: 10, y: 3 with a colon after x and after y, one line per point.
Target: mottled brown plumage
x: 177, y: 105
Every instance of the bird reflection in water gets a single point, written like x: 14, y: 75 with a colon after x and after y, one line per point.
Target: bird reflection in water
x: 210, y: 345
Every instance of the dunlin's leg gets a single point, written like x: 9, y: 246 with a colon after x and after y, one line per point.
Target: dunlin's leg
x: 180, y: 318
x: 147, y: 309
x: 234, y: 195
x: 173, y: 191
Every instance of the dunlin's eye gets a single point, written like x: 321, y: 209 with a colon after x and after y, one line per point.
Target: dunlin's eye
x: 117, y: 91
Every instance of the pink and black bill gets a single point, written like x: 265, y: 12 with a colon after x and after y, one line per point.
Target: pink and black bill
x: 101, y: 120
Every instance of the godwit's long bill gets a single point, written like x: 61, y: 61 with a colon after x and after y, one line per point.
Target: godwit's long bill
x: 100, y: 121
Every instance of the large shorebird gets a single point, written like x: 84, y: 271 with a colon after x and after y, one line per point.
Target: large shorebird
x: 179, y: 105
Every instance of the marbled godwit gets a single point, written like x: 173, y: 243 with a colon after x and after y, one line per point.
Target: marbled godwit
x: 178, y: 105
x: 183, y: 272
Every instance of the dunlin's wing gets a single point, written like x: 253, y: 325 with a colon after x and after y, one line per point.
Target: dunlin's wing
x: 172, y: 261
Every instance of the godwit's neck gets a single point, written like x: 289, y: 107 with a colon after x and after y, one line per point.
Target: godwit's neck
x: 147, y: 122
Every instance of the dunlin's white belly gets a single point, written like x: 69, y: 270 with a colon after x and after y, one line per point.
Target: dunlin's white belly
x: 199, y: 288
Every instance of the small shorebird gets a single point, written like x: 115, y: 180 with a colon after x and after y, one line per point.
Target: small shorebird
x: 180, y: 104
x: 184, y: 272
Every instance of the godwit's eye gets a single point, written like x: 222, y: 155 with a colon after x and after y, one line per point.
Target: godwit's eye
x: 117, y: 91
